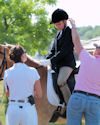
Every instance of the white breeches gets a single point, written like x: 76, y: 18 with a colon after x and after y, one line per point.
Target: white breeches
x: 25, y: 115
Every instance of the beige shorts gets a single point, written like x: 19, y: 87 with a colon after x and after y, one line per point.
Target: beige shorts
x: 64, y: 74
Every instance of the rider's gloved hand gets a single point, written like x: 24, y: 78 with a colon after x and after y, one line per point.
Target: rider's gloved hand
x: 45, y: 62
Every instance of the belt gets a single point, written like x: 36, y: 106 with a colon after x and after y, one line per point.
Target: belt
x: 22, y: 101
x: 86, y: 93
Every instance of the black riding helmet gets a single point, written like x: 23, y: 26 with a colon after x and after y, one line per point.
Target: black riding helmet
x: 58, y: 15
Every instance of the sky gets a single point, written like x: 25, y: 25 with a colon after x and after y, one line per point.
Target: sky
x: 84, y: 12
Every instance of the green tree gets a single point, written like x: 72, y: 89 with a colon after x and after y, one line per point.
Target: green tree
x: 16, y: 26
x: 89, y: 32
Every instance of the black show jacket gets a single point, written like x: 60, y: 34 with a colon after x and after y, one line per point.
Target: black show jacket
x: 62, y: 50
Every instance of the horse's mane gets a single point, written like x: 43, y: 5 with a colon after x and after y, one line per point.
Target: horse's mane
x: 31, y: 59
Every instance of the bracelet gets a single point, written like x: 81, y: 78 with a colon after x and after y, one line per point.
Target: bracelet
x: 74, y: 27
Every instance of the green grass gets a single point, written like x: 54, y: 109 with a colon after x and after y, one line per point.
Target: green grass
x: 2, y: 106
x: 2, y: 109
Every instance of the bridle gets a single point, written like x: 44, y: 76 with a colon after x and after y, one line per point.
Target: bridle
x: 39, y: 67
x: 3, y: 64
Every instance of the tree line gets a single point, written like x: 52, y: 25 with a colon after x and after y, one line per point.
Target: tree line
x: 88, y: 32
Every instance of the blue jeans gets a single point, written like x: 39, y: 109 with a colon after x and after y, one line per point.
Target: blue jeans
x: 80, y: 104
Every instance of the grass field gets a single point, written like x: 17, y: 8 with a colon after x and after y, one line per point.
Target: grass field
x: 2, y: 109
x: 2, y: 106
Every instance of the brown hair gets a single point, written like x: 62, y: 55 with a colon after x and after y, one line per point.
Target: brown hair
x: 16, y: 53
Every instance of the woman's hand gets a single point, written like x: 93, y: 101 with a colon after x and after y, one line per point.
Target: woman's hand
x: 72, y: 22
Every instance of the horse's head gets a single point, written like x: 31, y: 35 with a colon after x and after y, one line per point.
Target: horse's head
x: 5, y: 61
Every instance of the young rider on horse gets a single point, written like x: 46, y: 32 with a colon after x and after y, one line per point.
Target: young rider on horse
x: 61, y: 55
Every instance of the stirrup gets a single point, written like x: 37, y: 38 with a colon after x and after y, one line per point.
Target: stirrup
x: 56, y: 113
x: 62, y: 105
x: 59, y: 108
x: 61, y: 111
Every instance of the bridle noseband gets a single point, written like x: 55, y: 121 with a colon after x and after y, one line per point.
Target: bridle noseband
x: 3, y: 64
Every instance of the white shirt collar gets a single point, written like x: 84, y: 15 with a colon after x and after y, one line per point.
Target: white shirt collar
x: 18, y: 64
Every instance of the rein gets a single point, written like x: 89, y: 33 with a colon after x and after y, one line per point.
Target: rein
x: 4, y: 63
x: 39, y: 67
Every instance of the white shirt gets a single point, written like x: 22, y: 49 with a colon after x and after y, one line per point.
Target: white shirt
x: 20, y: 80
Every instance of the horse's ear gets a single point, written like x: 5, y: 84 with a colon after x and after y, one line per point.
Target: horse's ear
x: 9, y: 46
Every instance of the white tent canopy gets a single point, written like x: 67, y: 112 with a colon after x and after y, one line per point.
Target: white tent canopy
x: 89, y: 44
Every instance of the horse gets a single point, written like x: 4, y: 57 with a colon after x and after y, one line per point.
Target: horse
x: 44, y: 108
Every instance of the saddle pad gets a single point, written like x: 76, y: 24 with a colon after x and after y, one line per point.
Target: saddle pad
x: 51, y: 94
